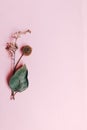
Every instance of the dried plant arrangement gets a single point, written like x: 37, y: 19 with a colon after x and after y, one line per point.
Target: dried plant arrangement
x: 18, y: 81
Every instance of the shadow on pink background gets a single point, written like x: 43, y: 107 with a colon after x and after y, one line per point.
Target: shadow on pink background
x: 56, y: 97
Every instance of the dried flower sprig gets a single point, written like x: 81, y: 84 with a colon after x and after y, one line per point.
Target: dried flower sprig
x: 12, y: 46
x: 18, y: 81
x: 18, y: 34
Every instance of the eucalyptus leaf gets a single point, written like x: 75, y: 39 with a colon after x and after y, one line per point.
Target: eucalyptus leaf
x: 19, y: 81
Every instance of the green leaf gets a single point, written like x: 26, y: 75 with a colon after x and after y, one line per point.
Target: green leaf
x: 19, y: 81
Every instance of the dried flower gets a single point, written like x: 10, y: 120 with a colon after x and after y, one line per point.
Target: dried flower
x: 22, y: 73
x: 19, y: 33
x: 11, y: 48
x: 26, y: 50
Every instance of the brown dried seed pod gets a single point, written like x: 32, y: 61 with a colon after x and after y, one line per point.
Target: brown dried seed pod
x: 26, y: 50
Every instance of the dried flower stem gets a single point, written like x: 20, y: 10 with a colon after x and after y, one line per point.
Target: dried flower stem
x: 13, y: 95
x: 18, y: 62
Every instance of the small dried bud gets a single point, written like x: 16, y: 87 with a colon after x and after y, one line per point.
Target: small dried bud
x: 26, y: 50
x: 11, y: 48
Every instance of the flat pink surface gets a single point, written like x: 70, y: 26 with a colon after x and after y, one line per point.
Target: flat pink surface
x: 57, y: 96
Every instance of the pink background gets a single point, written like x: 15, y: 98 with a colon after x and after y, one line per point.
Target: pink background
x: 57, y: 96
